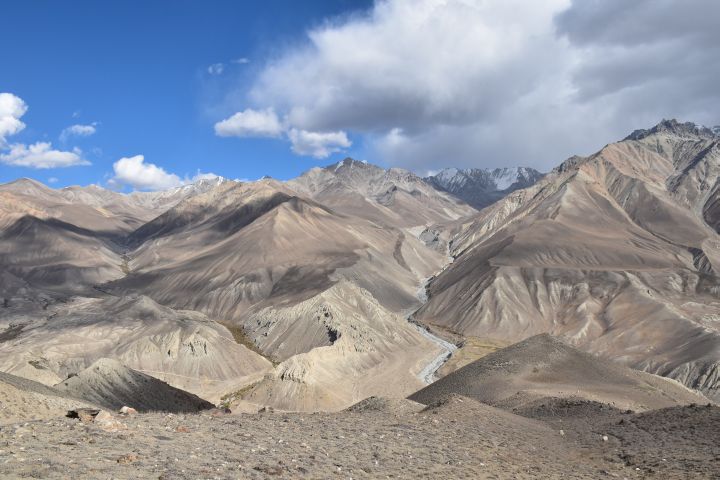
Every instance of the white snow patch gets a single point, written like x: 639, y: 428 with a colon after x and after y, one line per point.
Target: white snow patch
x: 504, y: 178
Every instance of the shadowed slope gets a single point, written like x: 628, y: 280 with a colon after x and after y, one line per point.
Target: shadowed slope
x: 111, y: 385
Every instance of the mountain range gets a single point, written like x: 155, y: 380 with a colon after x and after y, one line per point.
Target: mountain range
x: 353, y: 280
x: 617, y: 252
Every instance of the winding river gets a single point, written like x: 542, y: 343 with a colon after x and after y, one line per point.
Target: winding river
x: 428, y: 374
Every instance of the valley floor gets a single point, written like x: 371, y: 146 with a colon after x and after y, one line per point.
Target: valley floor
x: 460, y: 438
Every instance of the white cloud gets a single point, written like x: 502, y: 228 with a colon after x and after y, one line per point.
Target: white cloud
x: 410, y: 63
x: 41, y: 155
x: 133, y: 171
x: 413, y: 70
x: 318, y: 144
x: 12, y: 108
x: 38, y: 155
x: 265, y: 123
x: 53, y: 180
x: 78, y: 131
x: 250, y: 123
x: 241, y: 61
x: 201, y: 176
x: 216, y: 69
x: 427, y: 83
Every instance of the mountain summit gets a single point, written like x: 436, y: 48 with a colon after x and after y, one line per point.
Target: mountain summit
x: 482, y: 187
x: 678, y: 129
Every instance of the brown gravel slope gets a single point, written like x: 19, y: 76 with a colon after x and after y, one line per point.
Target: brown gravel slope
x: 457, y: 438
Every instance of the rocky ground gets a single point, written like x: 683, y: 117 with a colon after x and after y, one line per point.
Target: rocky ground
x: 459, y: 438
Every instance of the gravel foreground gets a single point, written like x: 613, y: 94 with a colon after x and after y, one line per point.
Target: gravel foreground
x: 459, y: 438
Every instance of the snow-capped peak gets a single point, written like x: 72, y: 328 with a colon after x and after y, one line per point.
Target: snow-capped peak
x: 481, y: 186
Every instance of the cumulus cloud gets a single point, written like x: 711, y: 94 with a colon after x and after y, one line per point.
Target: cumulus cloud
x: 12, y: 108
x: 251, y: 123
x: 41, y: 155
x: 134, y: 172
x: 265, y: 123
x: 78, y: 131
x: 429, y: 83
x: 139, y: 175
x: 317, y: 144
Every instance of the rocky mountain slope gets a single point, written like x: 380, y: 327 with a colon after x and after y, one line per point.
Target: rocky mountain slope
x: 184, y: 348
x: 616, y: 252
x: 301, y: 279
x: 338, y: 348
x: 69, y: 240
x: 482, y: 187
x: 393, y: 197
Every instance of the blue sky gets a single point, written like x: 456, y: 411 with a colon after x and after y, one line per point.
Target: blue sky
x: 139, y: 70
x: 154, y: 92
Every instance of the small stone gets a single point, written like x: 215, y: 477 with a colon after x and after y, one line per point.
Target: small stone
x: 182, y: 429
x: 107, y: 422
x: 128, y: 411
x: 218, y: 412
x: 604, y: 438
x: 129, y: 458
x: 85, y: 415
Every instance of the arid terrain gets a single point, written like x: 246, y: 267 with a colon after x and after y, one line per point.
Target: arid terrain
x: 362, y: 322
x: 456, y: 437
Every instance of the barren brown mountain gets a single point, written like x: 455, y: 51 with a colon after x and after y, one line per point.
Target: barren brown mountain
x: 292, y: 270
x: 617, y: 252
x: 295, y: 295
